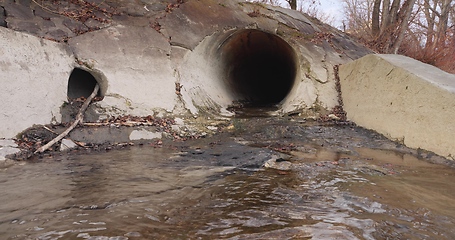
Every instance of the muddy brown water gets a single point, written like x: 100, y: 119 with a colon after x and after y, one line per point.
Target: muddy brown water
x: 322, y: 182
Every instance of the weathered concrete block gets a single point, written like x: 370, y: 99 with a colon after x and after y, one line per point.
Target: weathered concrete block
x: 135, y: 61
x: 7, y: 147
x: 402, y: 98
x: 33, y: 77
x: 144, y: 135
x: 67, y: 144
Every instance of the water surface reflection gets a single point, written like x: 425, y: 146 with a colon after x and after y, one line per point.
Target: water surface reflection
x: 217, y: 192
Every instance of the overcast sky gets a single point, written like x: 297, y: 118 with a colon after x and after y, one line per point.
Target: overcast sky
x: 333, y: 8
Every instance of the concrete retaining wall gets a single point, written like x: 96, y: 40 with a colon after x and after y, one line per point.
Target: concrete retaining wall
x: 402, y: 98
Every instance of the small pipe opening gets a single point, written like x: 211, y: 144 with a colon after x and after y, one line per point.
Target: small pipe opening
x: 259, y: 68
x: 81, y: 84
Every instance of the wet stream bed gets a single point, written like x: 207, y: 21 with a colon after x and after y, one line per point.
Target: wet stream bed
x: 261, y: 178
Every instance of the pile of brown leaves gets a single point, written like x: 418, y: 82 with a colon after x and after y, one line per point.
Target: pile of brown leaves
x: 161, y: 124
x: 129, y: 120
x: 336, y: 116
x: 319, y: 37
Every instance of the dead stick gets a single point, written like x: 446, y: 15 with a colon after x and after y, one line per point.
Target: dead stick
x: 50, y: 130
x: 79, y: 117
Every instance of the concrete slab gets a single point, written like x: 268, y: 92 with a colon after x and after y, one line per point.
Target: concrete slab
x: 402, y: 98
x: 143, y: 134
x: 13, y: 10
x: 7, y: 147
x: 294, y: 19
x: 67, y: 144
x: 199, y: 19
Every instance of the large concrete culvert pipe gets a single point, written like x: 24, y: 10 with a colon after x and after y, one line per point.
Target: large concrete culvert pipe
x: 257, y: 67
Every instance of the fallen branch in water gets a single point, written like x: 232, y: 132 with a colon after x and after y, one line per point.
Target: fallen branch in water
x: 79, y: 117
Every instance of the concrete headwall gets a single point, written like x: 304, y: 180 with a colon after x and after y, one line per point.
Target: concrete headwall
x: 136, y: 65
x: 33, y: 77
x: 198, y: 56
x: 402, y: 98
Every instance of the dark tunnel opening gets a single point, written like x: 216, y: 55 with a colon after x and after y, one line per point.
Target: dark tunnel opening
x: 81, y: 83
x: 260, y: 68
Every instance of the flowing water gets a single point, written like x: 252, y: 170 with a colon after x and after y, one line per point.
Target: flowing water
x: 216, y: 188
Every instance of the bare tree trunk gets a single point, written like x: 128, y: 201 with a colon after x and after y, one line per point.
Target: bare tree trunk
x: 375, y: 29
x: 443, y: 21
x: 430, y: 17
x: 385, y: 13
x: 388, y: 25
x: 393, y: 13
x: 405, y: 15
x: 293, y: 4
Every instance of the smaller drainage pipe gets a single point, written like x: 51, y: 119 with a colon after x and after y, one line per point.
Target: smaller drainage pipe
x: 82, y: 82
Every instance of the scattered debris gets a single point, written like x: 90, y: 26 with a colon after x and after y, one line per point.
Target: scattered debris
x: 79, y: 118
x: 34, y: 139
x: 156, y: 25
x: 178, y: 88
x: 255, y: 13
x: 82, y: 10
x: 319, y: 37
x: 337, y: 114
x: 172, y: 6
